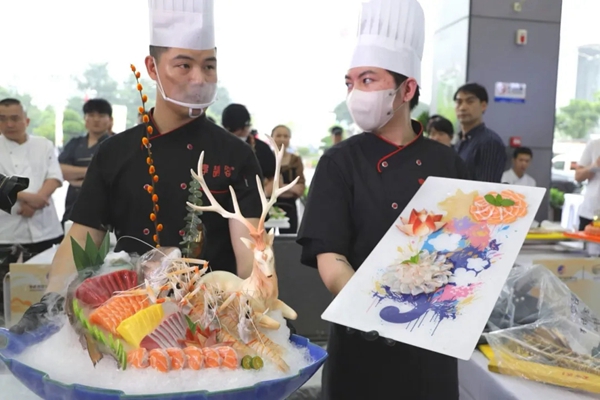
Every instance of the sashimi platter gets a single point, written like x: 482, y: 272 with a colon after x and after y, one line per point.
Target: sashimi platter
x: 164, y: 326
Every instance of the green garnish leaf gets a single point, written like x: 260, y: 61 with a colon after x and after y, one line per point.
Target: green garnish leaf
x: 104, y: 249
x: 191, y: 324
x: 507, y: 203
x: 498, y: 198
x: 80, y: 257
x: 490, y: 199
x: 91, y: 251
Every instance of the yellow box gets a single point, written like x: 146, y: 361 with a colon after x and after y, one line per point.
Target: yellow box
x: 28, y: 282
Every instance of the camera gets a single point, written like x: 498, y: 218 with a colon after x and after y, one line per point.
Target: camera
x: 9, y: 188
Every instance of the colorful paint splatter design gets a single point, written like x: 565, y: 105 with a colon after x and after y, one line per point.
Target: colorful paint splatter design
x: 467, y: 236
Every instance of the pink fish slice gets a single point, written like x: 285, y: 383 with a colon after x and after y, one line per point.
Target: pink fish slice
x: 169, y: 334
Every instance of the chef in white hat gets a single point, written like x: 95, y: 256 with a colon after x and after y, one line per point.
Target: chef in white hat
x: 358, y: 191
x: 115, y: 195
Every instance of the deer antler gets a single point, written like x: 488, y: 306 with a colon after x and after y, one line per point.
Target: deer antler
x: 214, y: 205
x: 277, y: 191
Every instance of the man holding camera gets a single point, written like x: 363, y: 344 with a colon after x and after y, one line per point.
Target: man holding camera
x: 31, y: 225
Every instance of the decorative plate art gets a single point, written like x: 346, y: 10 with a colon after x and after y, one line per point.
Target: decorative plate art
x: 433, y: 279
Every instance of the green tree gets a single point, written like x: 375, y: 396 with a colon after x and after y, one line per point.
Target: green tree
x: 577, y: 119
x: 97, y: 79
x: 342, y: 114
x: 73, y: 125
x: 47, y: 124
x: 129, y: 96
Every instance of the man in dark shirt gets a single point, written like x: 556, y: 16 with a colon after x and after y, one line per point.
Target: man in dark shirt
x: 141, y: 195
x: 480, y: 147
x: 78, y: 152
x: 236, y: 119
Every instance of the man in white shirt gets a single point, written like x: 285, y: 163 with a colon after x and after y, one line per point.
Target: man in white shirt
x: 517, y: 174
x: 589, y: 169
x: 33, y: 225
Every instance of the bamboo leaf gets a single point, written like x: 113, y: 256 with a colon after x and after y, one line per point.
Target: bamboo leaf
x: 104, y: 248
x: 91, y: 250
x: 80, y: 257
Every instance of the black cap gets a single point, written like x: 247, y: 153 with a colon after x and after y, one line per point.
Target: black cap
x: 337, y: 130
x: 235, y: 117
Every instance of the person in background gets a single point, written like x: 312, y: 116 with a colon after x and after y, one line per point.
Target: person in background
x: 517, y: 175
x: 441, y: 130
x: 78, y: 152
x: 236, y: 119
x: 32, y: 226
x: 337, y: 134
x: 291, y: 168
x: 358, y: 191
x: 589, y: 169
x: 109, y: 131
x: 480, y: 147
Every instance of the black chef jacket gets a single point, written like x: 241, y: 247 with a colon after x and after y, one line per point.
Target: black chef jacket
x: 114, y: 191
x: 359, y: 189
x: 78, y: 154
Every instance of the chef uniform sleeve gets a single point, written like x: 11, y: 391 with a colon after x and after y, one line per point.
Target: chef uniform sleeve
x: 245, y: 187
x: 326, y: 226
x: 92, y: 206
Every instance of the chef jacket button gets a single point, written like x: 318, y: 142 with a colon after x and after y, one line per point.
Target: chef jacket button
x: 182, y: 233
x: 146, y: 231
x: 419, y: 163
x: 384, y: 164
x: 183, y: 186
x: 395, y: 206
x: 189, y: 146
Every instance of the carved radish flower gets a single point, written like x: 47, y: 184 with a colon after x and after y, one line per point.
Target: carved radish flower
x: 421, y: 223
x: 423, y: 273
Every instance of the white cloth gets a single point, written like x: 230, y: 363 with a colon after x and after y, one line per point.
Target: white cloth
x: 183, y: 24
x: 35, y: 159
x: 591, y: 201
x: 391, y: 36
x: 512, y: 179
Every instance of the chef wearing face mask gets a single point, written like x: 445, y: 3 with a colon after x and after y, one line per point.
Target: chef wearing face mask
x: 359, y: 189
x: 115, y: 194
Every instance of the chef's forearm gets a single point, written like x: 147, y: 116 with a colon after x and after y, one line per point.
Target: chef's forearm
x: 73, y: 173
x: 335, y: 271
x: 63, y: 268
x: 49, y: 187
x: 583, y: 173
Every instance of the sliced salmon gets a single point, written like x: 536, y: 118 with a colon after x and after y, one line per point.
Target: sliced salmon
x: 212, y: 359
x: 159, y: 360
x: 138, y: 358
x: 177, y: 358
x: 116, y: 310
x: 229, y: 358
x: 194, y: 358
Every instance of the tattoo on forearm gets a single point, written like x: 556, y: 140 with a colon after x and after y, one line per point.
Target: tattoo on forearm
x: 343, y: 261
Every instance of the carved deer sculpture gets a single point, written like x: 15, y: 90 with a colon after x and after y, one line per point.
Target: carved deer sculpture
x: 261, y: 286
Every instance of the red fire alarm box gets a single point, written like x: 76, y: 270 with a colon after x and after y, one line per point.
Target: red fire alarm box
x: 521, y: 37
x: 515, y: 141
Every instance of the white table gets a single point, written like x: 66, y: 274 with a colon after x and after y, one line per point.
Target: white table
x: 478, y: 383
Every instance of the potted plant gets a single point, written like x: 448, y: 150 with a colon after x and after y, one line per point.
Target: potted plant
x: 557, y: 199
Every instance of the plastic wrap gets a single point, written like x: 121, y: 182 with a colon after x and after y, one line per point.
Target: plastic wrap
x: 541, y: 331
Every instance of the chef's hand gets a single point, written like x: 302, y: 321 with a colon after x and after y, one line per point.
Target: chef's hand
x: 26, y: 210
x: 39, y: 314
x: 372, y: 336
x: 34, y: 200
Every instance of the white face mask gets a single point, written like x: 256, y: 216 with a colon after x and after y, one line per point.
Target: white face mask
x: 194, y: 96
x: 371, y: 110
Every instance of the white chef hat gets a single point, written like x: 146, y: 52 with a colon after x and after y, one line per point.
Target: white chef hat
x: 185, y: 24
x: 391, y: 35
